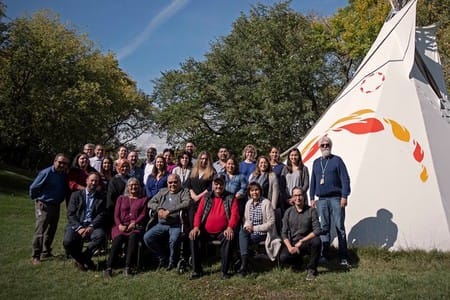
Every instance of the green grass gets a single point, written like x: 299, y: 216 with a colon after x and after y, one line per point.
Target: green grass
x: 376, y: 274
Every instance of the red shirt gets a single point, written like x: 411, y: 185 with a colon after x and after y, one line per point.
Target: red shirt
x: 217, y: 221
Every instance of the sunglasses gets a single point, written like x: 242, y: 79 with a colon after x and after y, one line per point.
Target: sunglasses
x: 172, y: 182
x: 62, y: 162
x: 324, y: 145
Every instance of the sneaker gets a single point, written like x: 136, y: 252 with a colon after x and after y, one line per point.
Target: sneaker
x: 35, y: 261
x: 344, y: 263
x: 310, y: 275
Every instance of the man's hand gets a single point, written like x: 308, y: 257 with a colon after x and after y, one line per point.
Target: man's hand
x: 195, y: 232
x: 313, y: 203
x: 293, y: 250
x: 163, y: 213
x: 88, y: 231
x: 81, y: 231
x: 229, y: 233
x: 248, y: 228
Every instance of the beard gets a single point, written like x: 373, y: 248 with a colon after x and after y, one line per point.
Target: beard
x: 326, y: 152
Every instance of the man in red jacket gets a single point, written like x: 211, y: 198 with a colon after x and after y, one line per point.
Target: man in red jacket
x: 217, y: 218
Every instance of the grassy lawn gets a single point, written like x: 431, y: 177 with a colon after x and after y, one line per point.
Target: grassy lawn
x: 376, y: 274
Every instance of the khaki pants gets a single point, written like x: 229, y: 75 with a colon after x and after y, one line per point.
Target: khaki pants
x: 47, y: 217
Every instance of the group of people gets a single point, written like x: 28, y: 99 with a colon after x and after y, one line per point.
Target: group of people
x: 256, y: 200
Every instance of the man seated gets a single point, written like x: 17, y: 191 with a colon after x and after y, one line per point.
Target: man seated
x: 217, y: 218
x: 300, y: 233
x: 168, y: 203
x: 86, y: 219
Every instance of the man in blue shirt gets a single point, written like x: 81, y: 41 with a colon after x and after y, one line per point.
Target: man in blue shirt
x: 48, y: 190
x: 329, y: 190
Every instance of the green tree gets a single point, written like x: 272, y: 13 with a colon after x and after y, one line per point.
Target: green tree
x: 264, y: 83
x: 57, y: 92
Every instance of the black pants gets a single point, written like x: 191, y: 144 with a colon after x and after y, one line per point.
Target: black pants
x: 132, y: 243
x: 73, y: 243
x: 311, y: 247
x: 203, y: 239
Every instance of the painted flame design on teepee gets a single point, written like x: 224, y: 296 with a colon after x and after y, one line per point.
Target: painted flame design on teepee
x: 359, y: 124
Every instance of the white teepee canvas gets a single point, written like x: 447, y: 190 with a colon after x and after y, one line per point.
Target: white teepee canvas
x: 390, y: 126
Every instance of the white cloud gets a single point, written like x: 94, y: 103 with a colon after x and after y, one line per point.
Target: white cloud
x: 158, y: 20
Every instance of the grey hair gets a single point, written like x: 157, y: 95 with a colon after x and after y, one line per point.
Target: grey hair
x: 132, y: 179
x: 326, y: 138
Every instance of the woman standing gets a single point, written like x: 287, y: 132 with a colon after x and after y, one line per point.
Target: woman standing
x: 129, y: 217
x: 275, y: 164
x: 248, y: 165
x: 106, y: 171
x: 79, y: 172
x: 235, y: 183
x: 295, y: 174
x: 267, y: 179
x: 184, y: 166
x: 199, y: 182
x: 158, y: 178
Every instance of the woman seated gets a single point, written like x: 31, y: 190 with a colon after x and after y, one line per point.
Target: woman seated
x: 259, y: 225
x: 129, y: 218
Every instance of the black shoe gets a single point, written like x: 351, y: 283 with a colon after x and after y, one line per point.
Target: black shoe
x: 195, y: 275
x: 242, y: 272
x: 107, y: 273
x: 47, y: 255
x: 80, y: 266
x: 89, y: 264
x: 170, y: 266
x: 225, y: 276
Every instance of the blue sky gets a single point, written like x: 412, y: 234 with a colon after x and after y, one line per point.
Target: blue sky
x: 152, y: 36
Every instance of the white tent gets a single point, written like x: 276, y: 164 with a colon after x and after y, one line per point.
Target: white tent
x: 390, y: 125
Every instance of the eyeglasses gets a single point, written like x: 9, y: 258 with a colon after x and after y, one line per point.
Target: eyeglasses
x: 324, y: 145
x: 172, y: 182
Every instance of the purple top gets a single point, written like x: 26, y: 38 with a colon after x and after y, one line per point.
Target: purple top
x: 127, y: 210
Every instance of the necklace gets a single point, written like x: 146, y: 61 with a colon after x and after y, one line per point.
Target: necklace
x: 322, y: 179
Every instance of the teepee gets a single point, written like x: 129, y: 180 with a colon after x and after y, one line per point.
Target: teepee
x: 391, y: 126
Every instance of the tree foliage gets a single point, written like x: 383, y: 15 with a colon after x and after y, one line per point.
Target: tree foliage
x: 57, y: 92
x: 264, y: 83
x: 276, y: 72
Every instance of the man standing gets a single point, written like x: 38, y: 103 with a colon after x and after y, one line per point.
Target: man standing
x: 329, y: 190
x: 48, y: 190
x: 217, y: 218
x: 89, y: 149
x: 222, y: 156
x: 300, y: 233
x: 167, y: 203
x: 96, y: 161
x: 191, y: 148
x: 147, y: 166
x: 135, y: 171
x: 86, y: 216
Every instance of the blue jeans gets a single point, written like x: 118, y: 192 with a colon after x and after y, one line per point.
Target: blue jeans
x: 246, y: 238
x: 155, y: 239
x: 329, y: 209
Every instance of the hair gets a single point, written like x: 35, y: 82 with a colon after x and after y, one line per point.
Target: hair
x: 236, y: 164
x: 209, y: 170
x: 297, y: 188
x: 189, y: 165
x: 129, y: 181
x: 176, y: 177
x: 325, y: 137
x: 257, y: 170
x: 155, y: 169
x: 61, y: 155
x: 75, y: 163
x: 247, y: 148
x: 120, y: 162
x: 102, y: 171
x: 252, y: 185
x: 289, y: 163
